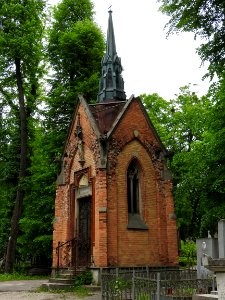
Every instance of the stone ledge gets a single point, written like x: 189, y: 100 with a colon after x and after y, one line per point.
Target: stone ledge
x: 205, y: 297
x: 215, y: 265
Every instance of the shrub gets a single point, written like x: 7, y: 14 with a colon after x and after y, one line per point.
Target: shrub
x: 85, y: 278
x: 188, y: 254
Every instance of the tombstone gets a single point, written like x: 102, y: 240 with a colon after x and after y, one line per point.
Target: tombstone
x: 221, y: 238
x: 209, y: 247
x: 217, y: 265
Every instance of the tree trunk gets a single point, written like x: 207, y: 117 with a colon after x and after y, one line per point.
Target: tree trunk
x: 11, y: 248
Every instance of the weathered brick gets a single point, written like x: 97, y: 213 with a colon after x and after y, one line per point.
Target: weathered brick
x: 112, y: 242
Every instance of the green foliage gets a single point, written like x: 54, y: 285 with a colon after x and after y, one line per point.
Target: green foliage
x: 21, y: 54
x: 35, y: 239
x: 143, y: 296
x: 76, y: 71
x: 196, y: 138
x: 179, y: 121
x: 206, y: 19
x: 76, y: 290
x: 182, y: 124
x: 200, y: 193
x: 188, y: 254
x: 20, y: 38
x: 215, y: 160
x: 120, y: 285
x: 160, y: 114
x: 85, y: 278
x: 19, y: 276
x: 80, y: 291
x: 75, y: 50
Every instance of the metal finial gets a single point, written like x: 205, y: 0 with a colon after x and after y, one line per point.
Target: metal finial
x: 110, y: 10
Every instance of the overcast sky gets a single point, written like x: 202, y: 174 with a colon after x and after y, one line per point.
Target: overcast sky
x: 152, y: 63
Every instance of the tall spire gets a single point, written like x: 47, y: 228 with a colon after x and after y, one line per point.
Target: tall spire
x: 111, y: 86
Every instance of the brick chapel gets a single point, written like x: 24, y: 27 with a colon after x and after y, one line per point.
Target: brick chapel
x: 113, y: 203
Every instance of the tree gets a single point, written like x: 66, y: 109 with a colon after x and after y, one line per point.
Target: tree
x: 207, y: 20
x: 75, y: 51
x: 9, y: 150
x: 74, y: 48
x: 214, y: 148
x: 35, y: 239
x: 75, y: 60
x: 20, y: 56
x: 179, y: 121
x: 159, y: 111
x: 181, y: 124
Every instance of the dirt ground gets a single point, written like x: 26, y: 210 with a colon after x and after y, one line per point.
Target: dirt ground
x: 43, y: 296
x: 35, y: 296
x: 27, y: 290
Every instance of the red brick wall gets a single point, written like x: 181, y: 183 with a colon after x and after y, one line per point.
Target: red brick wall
x: 63, y: 214
x: 157, y: 245
x: 61, y: 221
x: 113, y: 243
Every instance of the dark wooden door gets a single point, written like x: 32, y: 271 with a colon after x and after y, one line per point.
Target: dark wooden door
x: 84, y: 232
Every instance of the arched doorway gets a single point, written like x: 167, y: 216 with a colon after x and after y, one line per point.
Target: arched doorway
x: 83, y: 220
x: 84, y: 231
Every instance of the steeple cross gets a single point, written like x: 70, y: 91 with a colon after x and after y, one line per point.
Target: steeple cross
x: 110, y: 8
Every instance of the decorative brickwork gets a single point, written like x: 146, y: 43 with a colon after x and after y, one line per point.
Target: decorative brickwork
x: 102, y: 175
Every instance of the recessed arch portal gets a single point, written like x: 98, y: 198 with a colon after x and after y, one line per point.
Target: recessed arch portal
x: 134, y: 175
x: 133, y: 187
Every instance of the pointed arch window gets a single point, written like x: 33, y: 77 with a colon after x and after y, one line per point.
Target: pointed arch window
x: 134, y: 196
x: 109, y: 78
x: 133, y: 188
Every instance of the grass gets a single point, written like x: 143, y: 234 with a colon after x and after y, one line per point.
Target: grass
x: 18, y: 276
x: 144, y: 296
x: 77, y: 290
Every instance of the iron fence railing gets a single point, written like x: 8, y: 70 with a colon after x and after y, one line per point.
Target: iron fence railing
x: 147, y: 284
x: 73, y: 253
x: 64, y: 253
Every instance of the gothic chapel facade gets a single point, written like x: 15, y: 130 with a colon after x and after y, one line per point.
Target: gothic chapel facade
x: 113, y: 203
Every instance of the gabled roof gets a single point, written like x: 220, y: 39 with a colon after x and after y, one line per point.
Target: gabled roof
x: 104, y: 118
x: 105, y: 114
x: 82, y: 101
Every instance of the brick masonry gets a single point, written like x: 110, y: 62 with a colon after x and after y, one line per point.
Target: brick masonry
x: 113, y: 244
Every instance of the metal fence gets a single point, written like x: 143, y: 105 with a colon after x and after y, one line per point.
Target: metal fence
x: 147, y: 284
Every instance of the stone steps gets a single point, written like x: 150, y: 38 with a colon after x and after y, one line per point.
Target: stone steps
x: 56, y: 286
x: 64, y: 280
x: 212, y: 296
x: 64, y: 286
